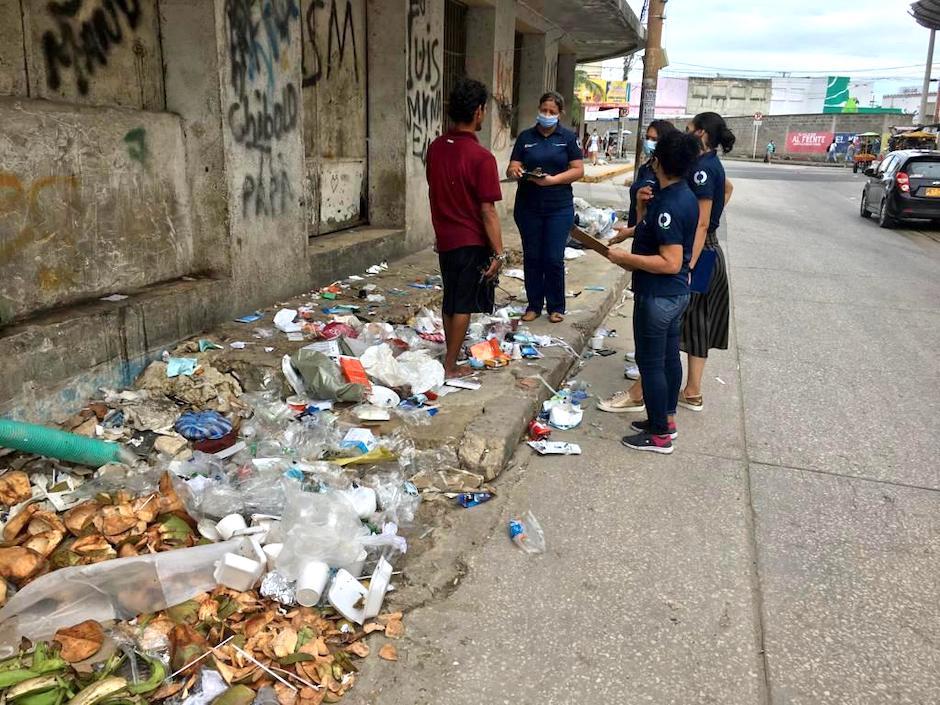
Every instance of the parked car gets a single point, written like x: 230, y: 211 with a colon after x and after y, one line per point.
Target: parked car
x: 905, y: 185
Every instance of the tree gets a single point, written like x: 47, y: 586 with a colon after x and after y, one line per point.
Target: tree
x: 584, y: 87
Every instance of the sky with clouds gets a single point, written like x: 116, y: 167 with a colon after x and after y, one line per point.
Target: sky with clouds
x: 857, y: 38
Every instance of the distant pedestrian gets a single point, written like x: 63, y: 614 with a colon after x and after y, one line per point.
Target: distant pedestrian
x: 546, y: 160
x: 769, y: 152
x: 850, y: 152
x: 594, y: 145
x: 464, y: 186
x: 660, y: 261
x: 831, y: 152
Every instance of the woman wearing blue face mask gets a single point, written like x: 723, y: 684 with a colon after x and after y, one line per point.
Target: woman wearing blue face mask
x: 546, y: 160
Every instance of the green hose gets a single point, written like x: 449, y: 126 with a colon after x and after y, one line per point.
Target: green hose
x: 53, y: 443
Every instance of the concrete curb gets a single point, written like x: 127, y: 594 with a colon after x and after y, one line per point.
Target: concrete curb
x: 610, y: 174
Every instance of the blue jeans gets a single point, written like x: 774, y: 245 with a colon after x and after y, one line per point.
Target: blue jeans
x: 657, y: 324
x: 543, y: 256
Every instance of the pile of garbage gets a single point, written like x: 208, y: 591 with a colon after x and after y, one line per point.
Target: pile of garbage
x: 596, y: 222
x: 198, y: 540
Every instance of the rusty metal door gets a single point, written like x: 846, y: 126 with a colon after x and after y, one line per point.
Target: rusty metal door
x: 335, y: 118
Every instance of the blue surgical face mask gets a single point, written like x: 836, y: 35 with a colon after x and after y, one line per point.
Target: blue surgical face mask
x: 546, y: 120
x: 649, y: 146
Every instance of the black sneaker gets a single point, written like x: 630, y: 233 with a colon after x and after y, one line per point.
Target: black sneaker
x: 644, y: 427
x: 647, y: 441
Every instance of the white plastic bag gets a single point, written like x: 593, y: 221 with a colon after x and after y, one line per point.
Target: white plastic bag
x: 414, y: 369
x: 117, y: 589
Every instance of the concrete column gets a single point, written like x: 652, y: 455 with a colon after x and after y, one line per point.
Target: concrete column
x: 567, y: 63
x: 539, y: 73
x: 188, y: 37
x: 490, y: 46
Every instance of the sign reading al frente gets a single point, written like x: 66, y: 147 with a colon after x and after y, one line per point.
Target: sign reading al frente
x: 809, y: 142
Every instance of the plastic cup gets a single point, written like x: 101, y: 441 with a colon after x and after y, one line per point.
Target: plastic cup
x: 597, y: 342
x: 312, y: 582
x: 297, y: 403
x: 230, y: 524
x: 271, y: 552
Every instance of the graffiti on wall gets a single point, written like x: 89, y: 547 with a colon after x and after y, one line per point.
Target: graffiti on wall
x: 341, y: 35
x: 502, y: 97
x: 83, y: 46
x: 21, y: 207
x: 261, y: 114
x: 425, y: 97
x: 136, y: 141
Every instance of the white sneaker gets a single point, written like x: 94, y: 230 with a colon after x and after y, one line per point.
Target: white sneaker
x: 631, y: 371
x: 630, y: 357
x: 621, y: 403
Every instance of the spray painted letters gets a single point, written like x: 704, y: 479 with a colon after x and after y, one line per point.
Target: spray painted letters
x: 85, y: 46
x: 261, y: 113
x: 425, y: 99
x: 342, y: 33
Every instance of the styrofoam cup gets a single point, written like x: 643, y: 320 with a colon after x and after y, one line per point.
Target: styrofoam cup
x: 597, y: 342
x: 228, y: 525
x: 312, y: 582
x: 271, y: 552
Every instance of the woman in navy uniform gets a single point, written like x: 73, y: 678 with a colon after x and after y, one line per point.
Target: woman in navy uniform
x: 547, y: 160
x: 706, y: 322
x: 660, y: 260
x: 631, y: 400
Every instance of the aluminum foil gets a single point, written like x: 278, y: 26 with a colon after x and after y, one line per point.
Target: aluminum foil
x: 278, y: 587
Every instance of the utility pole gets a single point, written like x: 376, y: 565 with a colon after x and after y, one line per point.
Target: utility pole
x: 922, y: 116
x: 652, y: 63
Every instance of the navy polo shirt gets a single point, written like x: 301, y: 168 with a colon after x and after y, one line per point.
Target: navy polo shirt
x: 707, y: 181
x: 644, y: 177
x: 552, y: 154
x: 671, y: 219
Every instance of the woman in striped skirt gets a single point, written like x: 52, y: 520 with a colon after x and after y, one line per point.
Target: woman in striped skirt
x: 706, y: 323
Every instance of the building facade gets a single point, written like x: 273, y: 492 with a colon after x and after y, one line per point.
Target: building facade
x: 207, y: 157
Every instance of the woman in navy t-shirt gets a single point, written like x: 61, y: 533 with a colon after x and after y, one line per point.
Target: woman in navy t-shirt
x: 547, y: 160
x: 660, y: 256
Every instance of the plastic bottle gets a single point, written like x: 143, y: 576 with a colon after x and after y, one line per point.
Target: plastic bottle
x: 527, y: 534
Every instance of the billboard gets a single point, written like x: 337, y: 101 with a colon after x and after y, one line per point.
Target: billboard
x: 842, y: 141
x: 808, y: 142
x: 597, y: 91
x: 618, y: 93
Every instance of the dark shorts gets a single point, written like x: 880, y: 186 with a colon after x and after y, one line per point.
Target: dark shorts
x: 464, y: 290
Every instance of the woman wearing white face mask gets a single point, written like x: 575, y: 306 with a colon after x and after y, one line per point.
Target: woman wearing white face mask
x: 547, y: 160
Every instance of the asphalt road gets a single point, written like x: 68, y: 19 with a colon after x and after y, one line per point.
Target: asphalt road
x: 786, y: 553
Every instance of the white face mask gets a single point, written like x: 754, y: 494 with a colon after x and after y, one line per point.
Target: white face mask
x: 547, y: 120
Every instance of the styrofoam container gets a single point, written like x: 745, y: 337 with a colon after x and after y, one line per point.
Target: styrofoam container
x: 238, y: 572
x: 207, y: 530
x: 312, y: 582
x: 229, y: 524
x: 345, y: 593
x: 378, y: 586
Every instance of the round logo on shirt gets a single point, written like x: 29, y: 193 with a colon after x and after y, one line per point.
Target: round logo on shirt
x: 665, y: 220
x: 700, y: 177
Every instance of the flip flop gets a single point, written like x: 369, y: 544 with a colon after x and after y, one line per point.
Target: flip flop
x: 530, y: 316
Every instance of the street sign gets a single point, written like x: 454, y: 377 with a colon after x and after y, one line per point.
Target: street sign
x: 758, y: 117
x: 757, y: 123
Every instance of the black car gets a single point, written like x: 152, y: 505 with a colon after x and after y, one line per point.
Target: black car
x: 905, y: 186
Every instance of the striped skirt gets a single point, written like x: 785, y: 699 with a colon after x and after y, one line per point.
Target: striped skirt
x: 705, y: 325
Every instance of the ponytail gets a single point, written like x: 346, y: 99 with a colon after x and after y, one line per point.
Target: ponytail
x: 716, y: 129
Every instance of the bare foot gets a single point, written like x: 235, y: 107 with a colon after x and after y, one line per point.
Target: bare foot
x: 530, y: 316
x: 458, y: 372
x: 556, y: 317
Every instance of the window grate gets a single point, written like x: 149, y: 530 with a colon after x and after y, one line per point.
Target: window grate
x: 455, y: 48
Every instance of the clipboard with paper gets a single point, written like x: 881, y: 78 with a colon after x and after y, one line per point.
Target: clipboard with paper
x: 589, y: 242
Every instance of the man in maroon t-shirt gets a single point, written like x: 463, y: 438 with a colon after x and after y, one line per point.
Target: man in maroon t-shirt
x: 464, y: 187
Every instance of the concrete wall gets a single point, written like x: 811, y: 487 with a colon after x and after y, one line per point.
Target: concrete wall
x: 91, y: 202
x: 728, y: 96
x: 776, y: 127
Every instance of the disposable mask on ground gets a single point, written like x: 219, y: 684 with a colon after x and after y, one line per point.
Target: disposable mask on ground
x: 547, y: 120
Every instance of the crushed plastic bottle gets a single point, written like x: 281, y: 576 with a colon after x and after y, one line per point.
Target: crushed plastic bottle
x: 526, y: 533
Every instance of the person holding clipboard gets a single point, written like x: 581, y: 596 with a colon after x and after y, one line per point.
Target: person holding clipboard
x: 706, y: 322
x: 546, y: 160
x: 660, y: 260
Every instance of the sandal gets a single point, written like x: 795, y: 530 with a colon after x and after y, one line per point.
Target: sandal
x: 556, y: 317
x: 530, y: 316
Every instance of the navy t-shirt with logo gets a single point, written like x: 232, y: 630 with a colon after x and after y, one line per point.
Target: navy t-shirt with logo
x: 552, y: 154
x: 671, y: 219
x: 707, y: 180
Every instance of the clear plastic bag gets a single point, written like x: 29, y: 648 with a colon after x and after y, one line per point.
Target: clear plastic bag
x: 117, y: 589
x: 319, y: 527
x: 526, y: 533
x: 398, y: 499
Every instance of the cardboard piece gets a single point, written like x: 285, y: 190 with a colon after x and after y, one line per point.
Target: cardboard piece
x: 589, y: 242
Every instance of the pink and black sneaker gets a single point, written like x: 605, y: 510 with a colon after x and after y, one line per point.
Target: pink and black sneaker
x: 650, y: 442
x: 644, y: 427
